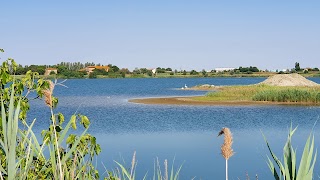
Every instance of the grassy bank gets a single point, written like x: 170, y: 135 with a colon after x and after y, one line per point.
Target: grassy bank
x: 264, y: 93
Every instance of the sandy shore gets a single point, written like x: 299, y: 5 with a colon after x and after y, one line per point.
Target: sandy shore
x: 190, y: 101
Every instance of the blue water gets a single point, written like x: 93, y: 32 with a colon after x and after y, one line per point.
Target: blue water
x: 187, y: 134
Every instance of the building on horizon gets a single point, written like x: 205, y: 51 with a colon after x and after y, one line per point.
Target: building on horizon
x: 223, y: 69
x: 89, y: 69
x: 48, y: 71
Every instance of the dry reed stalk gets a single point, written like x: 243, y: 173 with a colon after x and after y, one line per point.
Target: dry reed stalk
x: 74, y: 165
x: 226, y: 148
x: 247, y: 176
x: 133, y: 163
x: 48, y: 100
x: 47, y: 93
x: 166, y: 169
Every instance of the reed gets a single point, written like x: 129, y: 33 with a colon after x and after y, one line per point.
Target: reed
x: 289, y: 95
x: 265, y: 93
x: 122, y: 173
x: 226, y: 148
x: 287, y: 168
x: 232, y: 93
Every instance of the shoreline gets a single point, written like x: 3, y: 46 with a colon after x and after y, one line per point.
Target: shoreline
x: 190, y: 101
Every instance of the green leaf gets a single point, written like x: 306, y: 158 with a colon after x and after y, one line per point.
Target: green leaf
x: 73, y: 121
x: 124, y: 171
x: 273, y: 169
x: 85, y: 121
x: 71, y: 139
x: 60, y: 118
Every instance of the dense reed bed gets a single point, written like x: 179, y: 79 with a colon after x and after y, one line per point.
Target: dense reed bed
x: 265, y: 93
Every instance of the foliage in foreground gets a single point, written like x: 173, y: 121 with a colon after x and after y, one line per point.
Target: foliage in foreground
x: 122, y: 173
x: 287, y: 168
x: 60, y: 154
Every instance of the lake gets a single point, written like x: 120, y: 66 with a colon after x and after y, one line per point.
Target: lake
x: 187, y: 134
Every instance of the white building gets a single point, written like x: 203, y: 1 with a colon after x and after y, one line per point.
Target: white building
x: 223, y: 69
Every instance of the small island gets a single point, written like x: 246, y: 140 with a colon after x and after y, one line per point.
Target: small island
x: 280, y: 89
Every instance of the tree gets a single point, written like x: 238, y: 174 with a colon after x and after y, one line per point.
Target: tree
x: 194, y: 72
x: 136, y: 71
x: 161, y: 70
x: 125, y: 70
x: 93, y: 75
x: 204, y: 73
x: 253, y: 69
x: 149, y: 73
x: 115, y: 68
x: 143, y: 70
x: 184, y: 72
x: 297, y: 66
x: 123, y: 74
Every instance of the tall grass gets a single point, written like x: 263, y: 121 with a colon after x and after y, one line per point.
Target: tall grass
x: 232, y: 93
x: 122, y: 173
x: 288, y: 95
x: 265, y: 93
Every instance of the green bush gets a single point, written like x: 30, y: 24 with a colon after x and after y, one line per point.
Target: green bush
x: 59, y: 154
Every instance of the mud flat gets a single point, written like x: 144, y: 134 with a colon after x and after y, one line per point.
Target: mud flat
x: 191, y: 101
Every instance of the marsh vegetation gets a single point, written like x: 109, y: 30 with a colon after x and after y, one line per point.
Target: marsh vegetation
x: 264, y: 93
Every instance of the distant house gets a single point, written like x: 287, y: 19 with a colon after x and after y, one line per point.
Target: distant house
x: 89, y: 69
x: 153, y: 70
x: 224, y: 69
x: 49, y: 70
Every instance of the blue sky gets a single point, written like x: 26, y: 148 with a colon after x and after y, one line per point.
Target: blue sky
x: 182, y: 34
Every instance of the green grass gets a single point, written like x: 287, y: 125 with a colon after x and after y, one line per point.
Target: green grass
x: 264, y: 93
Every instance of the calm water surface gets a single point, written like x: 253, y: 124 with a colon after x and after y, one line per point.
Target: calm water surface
x: 187, y: 134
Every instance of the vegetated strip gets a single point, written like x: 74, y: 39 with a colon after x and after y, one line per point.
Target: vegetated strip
x: 246, y: 95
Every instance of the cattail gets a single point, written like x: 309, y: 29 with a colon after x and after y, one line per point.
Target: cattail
x: 47, y: 93
x: 226, y: 148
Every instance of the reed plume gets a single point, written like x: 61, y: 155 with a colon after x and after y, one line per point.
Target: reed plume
x: 47, y: 93
x: 226, y: 148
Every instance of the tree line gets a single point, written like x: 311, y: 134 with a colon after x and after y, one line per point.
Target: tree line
x: 77, y: 70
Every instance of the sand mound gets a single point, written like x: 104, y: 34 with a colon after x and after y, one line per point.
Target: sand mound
x: 288, y: 80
